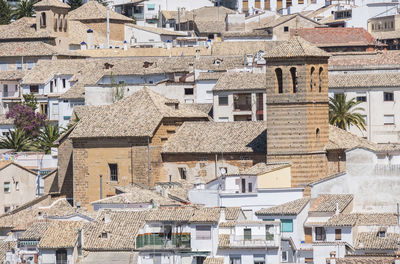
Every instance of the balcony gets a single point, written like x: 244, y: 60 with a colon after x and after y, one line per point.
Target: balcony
x: 138, y: 16
x: 10, y: 94
x: 242, y: 102
x: 259, y: 241
x: 161, y: 241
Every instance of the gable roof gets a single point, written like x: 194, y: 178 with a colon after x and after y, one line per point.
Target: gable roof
x: 327, y: 202
x: 135, y: 116
x: 283, y: 19
x: 371, y: 240
x: 93, y: 10
x: 35, y: 231
x: 218, y: 137
x: 262, y: 167
x: 333, y: 37
x: 159, y: 31
x: 5, y: 164
x: 363, y: 80
x: 121, y: 229
x: 289, y: 208
x: 360, y: 219
x: 295, y: 47
x: 52, y: 3
x: 30, y: 48
x: 61, y: 234
x: 24, y: 28
x: 233, y: 81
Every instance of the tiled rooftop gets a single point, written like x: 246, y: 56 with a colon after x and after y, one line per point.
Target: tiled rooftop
x: 328, y: 202
x: 233, y: 81
x: 353, y: 219
x: 60, y: 234
x: 93, y: 10
x: 371, y: 241
x: 364, y: 80
x: 289, y: 208
x: 218, y: 137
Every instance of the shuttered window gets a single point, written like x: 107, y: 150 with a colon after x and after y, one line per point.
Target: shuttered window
x: 203, y: 232
x: 286, y: 225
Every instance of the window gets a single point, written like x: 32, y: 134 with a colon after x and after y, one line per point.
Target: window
x: 250, y: 187
x: 7, y: 209
x: 247, y: 233
x: 279, y: 80
x: 5, y: 134
x: 284, y: 256
x: 17, y: 186
x: 3, y: 66
x: 259, y: 259
x: 43, y: 20
x: 243, y: 185
x: 317, y: 133
x: 151, y: 7
x: 293, y: 74
x: 61, y: 256
x: 361, y: 98
x: 320, y: 234
x: 388, y: 119
x: 182, y: 173
x: 30, y: 65
x: 223, y: 100
x: 113, y: 172
x: 19, y: 65
x: 203, y: 232
x: 43, y: 108
x: 235, y: 259
x: 33, y: 88
x: 338, y: 234
x: 64, y: 83
x: 223, y: 119
x: 388, y: 96
x: 285, y: 29
x: 54, y: 109
x: 269, y: 232
x: 320, y: 79
x: 382, y: 233
x: 5, y: 90
x: 6, y: 187
x: 51, y: 86
x: 188, y: 91
x: 286, y: 225
x: 104, y: 235
x: 312, y: 78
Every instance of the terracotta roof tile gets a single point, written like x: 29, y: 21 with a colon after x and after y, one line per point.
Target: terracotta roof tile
x: 51, y: 3
x: 218, y: 137
x: 171, y: 214
x: 223, y: 241
x: 330, y: 36
x: 135, y: 116
x: 61, y: 234
x: 289, y: 208
x: 4, y: 247
x: 365, y: 260
x: 12, y: 75
x: 364, y: 80
x: 233, y: 81
x: 327, y: 202
x: 371, y: 240
x: 204, y: 76
x: 232, y: 213
x: 206, y: 215
x: 262, y: 167
x: 359, y: 219
x: 93, y: 10
x: 295, y: 47
x: 35, y: 231
x: 212, y: 260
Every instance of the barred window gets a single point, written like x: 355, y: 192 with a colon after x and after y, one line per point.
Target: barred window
x: 113, y: 172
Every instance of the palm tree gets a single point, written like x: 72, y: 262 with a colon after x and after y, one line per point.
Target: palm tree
x: 48, y: 135
x: 5, y: 12
x: 24, y: 9
x: 17, y: 141
x: 343, y: 113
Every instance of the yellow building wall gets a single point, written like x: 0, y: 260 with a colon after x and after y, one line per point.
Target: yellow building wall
x: 280, y: 178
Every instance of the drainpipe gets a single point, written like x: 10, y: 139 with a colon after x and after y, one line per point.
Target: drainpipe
x: 216, y: 169
x: 101, y: 186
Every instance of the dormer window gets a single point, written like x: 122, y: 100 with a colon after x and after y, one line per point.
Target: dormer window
x: 217, y: 62
x: 381, y: 233
x: 104, y: 235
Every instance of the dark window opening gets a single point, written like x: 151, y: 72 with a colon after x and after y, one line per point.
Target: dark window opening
x: 279, y: 80
x: 388, y: 96
x: 43, y: 20
x: 293, y: 74
x: 338, y: 234
x: 223, y: 100
x: 188, y: 91
x: 285, y: 29
x: 320, y: 234
x: 182, y: 173
x: 113, y: 172
x: 34, y: 89
x: 320, y: 79
x: 361, y: 98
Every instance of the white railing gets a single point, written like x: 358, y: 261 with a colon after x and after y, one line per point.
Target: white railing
x: 259, y: 241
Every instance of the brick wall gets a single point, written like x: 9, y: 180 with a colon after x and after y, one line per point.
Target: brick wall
x: 298, y: 124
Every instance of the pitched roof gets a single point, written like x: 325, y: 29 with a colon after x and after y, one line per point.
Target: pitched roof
x: 283, y: 19
x: 232, y: 213
x: 121, y: 228
x: 111, y: 257
x: 353, y: 219
x: 364, y: 80
x: 327, y: 202
x: 12, y: 75
x: 24, y: 28
x: 341, y: 139
x: 371, y: 240
x: 289, y: 208
x: 204, y: 76
x: 137, y: 195
x: 61, y: 234
x: 365, y: 259
x: 4, y: 247
x: 333, y: 37
x: 51, y: 3
x: 171, y: 214
x: 205, y: 215
x: 233, y: 81
x: 218, y: 137
x: 224, y: 241
x: 366, y: 59
x: 35, y: 231
x: 159, y: 31
x: 213, y: 260
x: 30, y: 48
x: 295, y: 47
x: 135, y: 116
x: 93, y: 10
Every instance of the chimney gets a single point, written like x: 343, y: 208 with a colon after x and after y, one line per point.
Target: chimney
x: 107, y: 218
x: 169, y: 44
x: 83, y: 45
x: 197, y: 54
x: 332, y: 258
x: 397, y: 257
x: 125, y: 46
x: 337, y: 209
x: 90, y: 39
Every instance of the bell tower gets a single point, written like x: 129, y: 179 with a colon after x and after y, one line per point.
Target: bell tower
x: 297, y: 108
x: 52, y: 17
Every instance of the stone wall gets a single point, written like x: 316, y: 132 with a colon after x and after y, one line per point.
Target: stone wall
x: 117, y: 30
x: 65, y: 168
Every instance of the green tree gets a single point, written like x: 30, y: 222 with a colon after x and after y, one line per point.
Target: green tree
x: 24, y: 9
x: 75, y: 4
x: 5, y: 12
x: 17, y: 140
x: 31, y: 101
x: 48, y: 135
x: 344, y: 113
x: 118, y: 91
